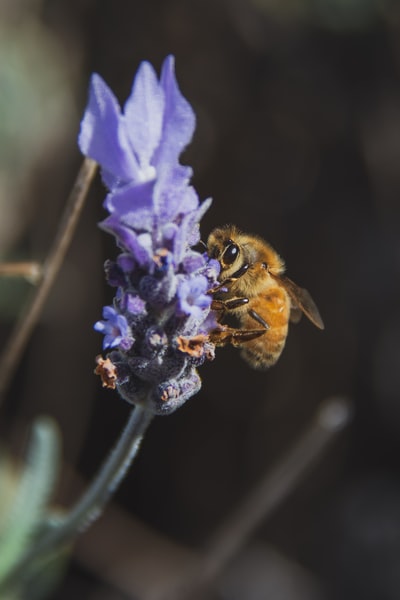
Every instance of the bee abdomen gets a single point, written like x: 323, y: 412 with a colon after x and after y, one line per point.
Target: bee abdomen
x: 264, y: 351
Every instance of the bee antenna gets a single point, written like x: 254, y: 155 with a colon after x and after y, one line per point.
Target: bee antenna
x: 203, y: 244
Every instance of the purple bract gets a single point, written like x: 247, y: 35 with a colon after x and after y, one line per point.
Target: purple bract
x: 157, y: 329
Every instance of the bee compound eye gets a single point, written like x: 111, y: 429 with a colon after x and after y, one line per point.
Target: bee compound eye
x: 231, y: 253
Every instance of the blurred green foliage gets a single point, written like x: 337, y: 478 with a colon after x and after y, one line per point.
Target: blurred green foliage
x: 24, y: 512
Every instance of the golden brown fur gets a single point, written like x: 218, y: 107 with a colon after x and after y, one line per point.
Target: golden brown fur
x: 257, y: 293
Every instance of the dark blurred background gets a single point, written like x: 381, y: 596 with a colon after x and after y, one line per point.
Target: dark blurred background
x: 297, y: 140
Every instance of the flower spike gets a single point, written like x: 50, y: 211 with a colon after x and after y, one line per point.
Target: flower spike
x: 157, y: 330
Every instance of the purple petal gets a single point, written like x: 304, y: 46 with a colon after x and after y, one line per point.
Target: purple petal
x: 109, y: 313
x: 168, y: 232
x: 172, y: 196
x: 144, y: 114
x: 194, y: 222
x: 115, y: 329
x: 193, y: 261
x: 133, y: 205
x: 179, y: 120
x: 134, y: 304
x: 203, y: 208
x: 126, y: 262
x: 210, y: 323
x: 212, y: 270
x: 140, y: 246
x: 189, y: 231
x: 192, y: 296
x: 103, y: 137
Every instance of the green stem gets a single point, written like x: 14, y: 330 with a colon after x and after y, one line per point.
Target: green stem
x: 108, y: 479
x: 91, y: 504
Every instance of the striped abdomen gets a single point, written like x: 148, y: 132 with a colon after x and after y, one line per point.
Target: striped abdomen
x: 274, y: 308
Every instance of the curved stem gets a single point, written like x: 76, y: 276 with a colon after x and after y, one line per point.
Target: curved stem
x: 23, y: 328
x: 91, y: 504
x: 108, y: 479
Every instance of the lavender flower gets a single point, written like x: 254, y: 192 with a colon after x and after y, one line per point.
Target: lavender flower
x: 115, y: 328
x: 157, y: 329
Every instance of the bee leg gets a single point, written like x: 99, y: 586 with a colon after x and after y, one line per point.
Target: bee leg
x: 224, y: 305
x: 236, y: 337
x: 239, y: 273
x: 254, y: 315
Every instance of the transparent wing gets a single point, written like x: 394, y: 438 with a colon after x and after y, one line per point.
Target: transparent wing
x: 295, y: 314
x: 302, y: 300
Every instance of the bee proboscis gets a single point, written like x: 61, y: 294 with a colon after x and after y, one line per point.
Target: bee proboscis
x: 255, y: 290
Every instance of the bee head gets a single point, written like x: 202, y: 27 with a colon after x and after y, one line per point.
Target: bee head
x: 230, y: 254
x: 221, y: 246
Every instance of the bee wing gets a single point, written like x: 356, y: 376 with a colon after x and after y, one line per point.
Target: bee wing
x: 295, y: 314
x: 303, y: 301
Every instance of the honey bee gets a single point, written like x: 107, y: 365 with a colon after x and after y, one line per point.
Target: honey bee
x: 253, y: 288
